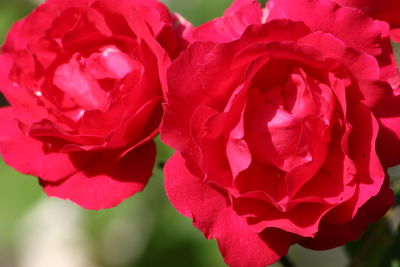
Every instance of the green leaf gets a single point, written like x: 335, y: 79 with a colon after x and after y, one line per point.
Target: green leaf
x: 394, y: 174
x: 11, y: 11
x: 199, y: 11
x: 371, y: 249
x: 396, y: 49
x: 392, y: 256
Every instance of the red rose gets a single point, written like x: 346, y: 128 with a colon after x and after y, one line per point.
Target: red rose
x: 386, y: 10
x: 275, y: 126
x: 85, y: 80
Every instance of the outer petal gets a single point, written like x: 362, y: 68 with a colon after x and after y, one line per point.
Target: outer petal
x: 190, y: 196
x: 181, y: 75
x: 388, y: 142
x: 106, y: 183
x: 344, y: 23
x: 25, y: 105
x: 31, y: 156
x: 28, y: 29
x: 242, y: 247
x: 333, y: 235
x: 211, y: 213
x: 351, y: 26
x: 395, y: 35
x: 387, y: 10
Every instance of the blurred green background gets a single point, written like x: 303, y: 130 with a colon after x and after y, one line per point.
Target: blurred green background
x: 144, y: 231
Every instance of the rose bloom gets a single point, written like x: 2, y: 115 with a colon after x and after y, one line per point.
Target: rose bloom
x: 277, y: 116
x: 85, y: 80
x: 386, y: 10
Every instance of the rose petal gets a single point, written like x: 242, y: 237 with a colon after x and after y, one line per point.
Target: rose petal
x: 31, y: 156
x: 209, y: 210
x: 77, y: 83
x: 386, y: 10
x: 107, y: 181
x: 347, y: 21
x: 24, y: 103
x: 333, y: 235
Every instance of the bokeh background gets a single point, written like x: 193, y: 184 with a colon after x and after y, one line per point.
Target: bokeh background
x: 145, y: 230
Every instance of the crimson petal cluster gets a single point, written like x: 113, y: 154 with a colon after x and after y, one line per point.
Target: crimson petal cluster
x: 85, y: 80
x: 282, y: 137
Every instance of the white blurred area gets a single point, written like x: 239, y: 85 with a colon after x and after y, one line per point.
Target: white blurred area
x: 124, y: 241
x: 312, y: 258
x: 54, y: 233
x: 51, y: 235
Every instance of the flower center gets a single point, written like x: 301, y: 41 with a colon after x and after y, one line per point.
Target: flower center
x: 80, y: 78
